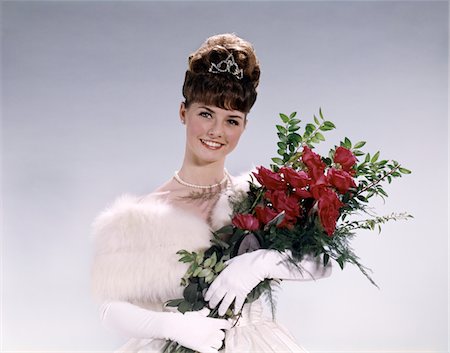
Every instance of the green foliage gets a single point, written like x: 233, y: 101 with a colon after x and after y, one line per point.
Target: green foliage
x: 290, y: 141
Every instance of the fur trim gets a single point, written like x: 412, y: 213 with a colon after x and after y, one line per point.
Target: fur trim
x: 135, y: 249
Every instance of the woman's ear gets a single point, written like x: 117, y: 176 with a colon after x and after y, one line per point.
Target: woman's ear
x: 183, y: 112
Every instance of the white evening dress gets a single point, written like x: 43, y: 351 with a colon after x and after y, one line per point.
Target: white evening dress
x: 254, y: 332
x: 135, y: 243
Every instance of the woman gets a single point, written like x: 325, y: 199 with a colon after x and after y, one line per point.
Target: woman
x: 136, y: 268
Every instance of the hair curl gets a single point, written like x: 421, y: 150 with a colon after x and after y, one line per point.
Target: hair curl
x: 223, y: 90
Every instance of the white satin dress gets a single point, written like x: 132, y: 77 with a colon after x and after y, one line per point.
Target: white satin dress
x: 254, y: 332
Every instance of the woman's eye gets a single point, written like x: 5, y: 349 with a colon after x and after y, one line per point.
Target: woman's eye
x: 233, y: 122
x: 205, y: 114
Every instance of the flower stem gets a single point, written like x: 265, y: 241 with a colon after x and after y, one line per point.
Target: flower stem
x: 375, y: 182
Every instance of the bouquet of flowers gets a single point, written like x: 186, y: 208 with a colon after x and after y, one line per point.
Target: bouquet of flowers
x: 301, y: 203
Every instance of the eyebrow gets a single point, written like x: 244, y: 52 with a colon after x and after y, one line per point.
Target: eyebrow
x: 230, y: 116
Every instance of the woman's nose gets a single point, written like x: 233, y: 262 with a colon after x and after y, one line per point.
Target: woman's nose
x: 215, y: 130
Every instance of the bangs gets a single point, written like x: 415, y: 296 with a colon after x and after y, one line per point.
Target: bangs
x: 219, y: 90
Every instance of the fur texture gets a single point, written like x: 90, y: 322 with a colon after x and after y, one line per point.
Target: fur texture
x: 136, y: 242
x: 135, y: 245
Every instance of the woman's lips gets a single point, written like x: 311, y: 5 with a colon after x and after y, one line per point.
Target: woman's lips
x: 211, y: 144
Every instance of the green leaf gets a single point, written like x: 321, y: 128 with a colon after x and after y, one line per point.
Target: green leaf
x: 278, y: 161
x: 293, y: 114
x: 281, y: 145
x: 207, y: 262
x: 219, y: 266
x: 205, y: 272
x: 367, y: 159
x: 280, y: 151
x: 190, y: 292
x: 329, y: 124
x: 359, y: 144
x: 316, y: 120
x: 340, y: 261
x: 296, y: 137
x: 186, y: 258
x: 320, y: 114
x: 281, y: 129
x: 327, y: 161
x: 197, y: 271
x: 314, y: 139
x: 326, y: 258
x: 198, y: 305
x: 375, y: 157
x: 293, y: 128
x: 358, y: 153
x: 404, y: 170
x: 294, y: 122
x: 319, y: 136
x: 310, y: 128
x: 382, y: 192
x: 173, y: 302
x: 184, y: 306
x: 284, y: 117
x: 347, y: 143
x: 361, y: 198
x: 209, y: 278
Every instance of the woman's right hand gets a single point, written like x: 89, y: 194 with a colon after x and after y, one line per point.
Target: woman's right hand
x: 192, y: 330
x: 195, y: 330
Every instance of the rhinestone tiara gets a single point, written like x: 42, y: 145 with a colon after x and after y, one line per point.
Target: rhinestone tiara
x: 227, y: 65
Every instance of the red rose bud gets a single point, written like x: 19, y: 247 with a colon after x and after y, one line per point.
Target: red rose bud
x: 269, y: 179
x: 345, y: 158
x: 340, y: 179
x: 295, y: 179
x: 328, y: 206
x: 246, y: 222
x: 265, y: 214
x: 313, y: 162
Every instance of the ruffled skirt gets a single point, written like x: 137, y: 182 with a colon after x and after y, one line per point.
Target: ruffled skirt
x: 253, y: 332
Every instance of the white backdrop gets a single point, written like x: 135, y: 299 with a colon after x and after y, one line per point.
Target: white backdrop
x: 90, y: 94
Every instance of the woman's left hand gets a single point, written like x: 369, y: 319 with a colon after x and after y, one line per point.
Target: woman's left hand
x: 245, y: 271
x: 236, y: 281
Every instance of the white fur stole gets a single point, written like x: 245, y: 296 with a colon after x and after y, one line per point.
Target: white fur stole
x: 135, y: 249
x: 136, y: 240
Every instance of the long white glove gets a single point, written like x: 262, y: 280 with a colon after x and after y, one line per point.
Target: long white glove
x: 245, y: 271
x: 192, y: 330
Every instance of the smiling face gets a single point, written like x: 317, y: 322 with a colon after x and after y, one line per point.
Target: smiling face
x: 211, y: 132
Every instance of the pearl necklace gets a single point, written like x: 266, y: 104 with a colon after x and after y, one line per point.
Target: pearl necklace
x: 182, y: 182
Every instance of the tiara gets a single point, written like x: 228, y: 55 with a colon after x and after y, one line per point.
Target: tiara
x: 227, y: 65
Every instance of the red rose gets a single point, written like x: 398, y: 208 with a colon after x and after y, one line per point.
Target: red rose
x: 313, y: 161
x: 340, y: 179
x: 295, y: 179
x: 328, y: 206
x: 345, y: 158
x: 283, y: 202
x: 319, y: 187
x: 245, y: 221
x: 265, y: 214
x: 302, y: 193
x: 269, y: 179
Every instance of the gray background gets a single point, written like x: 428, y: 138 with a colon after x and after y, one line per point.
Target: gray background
x: 91, y: 92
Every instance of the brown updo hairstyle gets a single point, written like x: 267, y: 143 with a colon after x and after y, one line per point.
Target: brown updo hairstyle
x: 223, y: 89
